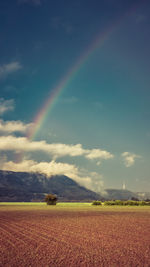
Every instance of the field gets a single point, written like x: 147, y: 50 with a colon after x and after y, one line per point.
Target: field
x: 74, y: 235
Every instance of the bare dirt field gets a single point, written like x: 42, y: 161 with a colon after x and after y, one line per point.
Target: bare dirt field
x: 74, y: 236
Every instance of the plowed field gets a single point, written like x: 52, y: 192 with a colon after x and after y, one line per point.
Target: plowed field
x: 57, y: 236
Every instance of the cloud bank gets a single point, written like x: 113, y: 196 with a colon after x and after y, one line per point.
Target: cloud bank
x: 23, y: 144
x: 48, y: 168
x: 9, y: 127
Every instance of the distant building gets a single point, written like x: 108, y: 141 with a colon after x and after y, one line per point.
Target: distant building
x: 124, y: 186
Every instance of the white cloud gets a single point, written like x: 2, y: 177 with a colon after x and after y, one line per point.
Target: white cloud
x: 129, y: 158
x: 48, y: 168
x: 12, y: 143
x: 23, y: 144
x: 9, y: 68
x: 6, y: 105
x: 96, y: 182
x: 14, y: 126
x: 99, y: 154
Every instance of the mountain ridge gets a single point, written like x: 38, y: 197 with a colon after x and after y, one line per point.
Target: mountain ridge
x: 26, y: 187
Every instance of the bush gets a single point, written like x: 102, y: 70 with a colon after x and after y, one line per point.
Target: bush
x: 126, y: 203
x: 132, y: 203
x: 96, y: 203
x: 109, y: 203
x: 122, y: 203
x: 51, y: 199
x: 144, y: 203
x: 119, y: 202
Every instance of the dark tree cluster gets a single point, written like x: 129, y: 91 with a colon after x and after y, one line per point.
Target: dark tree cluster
x: 51, y: 199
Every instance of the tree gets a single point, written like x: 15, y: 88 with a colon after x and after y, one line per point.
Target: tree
x: 51, y: 199
x: 134, y: 198
x: 96, y: 203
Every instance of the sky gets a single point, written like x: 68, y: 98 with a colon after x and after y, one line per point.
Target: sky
x: 75, y: 90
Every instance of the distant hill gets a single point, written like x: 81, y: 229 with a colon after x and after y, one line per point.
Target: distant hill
x: 23, y: 186
x: 143, y: 195
x: 121, y: 194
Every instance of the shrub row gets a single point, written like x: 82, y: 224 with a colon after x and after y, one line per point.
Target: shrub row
x: 126, y: 203
x: 96, y: 202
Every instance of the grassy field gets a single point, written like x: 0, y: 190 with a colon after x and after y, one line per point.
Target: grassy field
x: 42, y: 204
x: 73, y: 206
x: 73, y: 234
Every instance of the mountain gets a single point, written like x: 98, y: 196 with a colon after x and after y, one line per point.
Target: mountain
x: 121, y: 194
x: 23, y: 186
x: 143, y: 195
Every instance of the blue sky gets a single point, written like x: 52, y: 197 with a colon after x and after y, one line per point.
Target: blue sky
x: 98, y: 131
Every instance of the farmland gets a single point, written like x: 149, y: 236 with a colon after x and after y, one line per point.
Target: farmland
x: 74, y: 235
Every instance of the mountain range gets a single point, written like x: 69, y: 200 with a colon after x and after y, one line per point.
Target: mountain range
x: 26, y: 187
x: 23, y: 186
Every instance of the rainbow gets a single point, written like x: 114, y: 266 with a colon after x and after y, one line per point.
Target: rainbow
x: 56, y: 92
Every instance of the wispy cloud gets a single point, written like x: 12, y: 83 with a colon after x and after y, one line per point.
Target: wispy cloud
x: 6, y: 105
x: 23, y: 144
x: 129, y: 158
x: 34, y: 2
x: 9, y: 68
x: 9, y: 127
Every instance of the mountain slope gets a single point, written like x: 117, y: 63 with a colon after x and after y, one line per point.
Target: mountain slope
x: 23, y: 186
